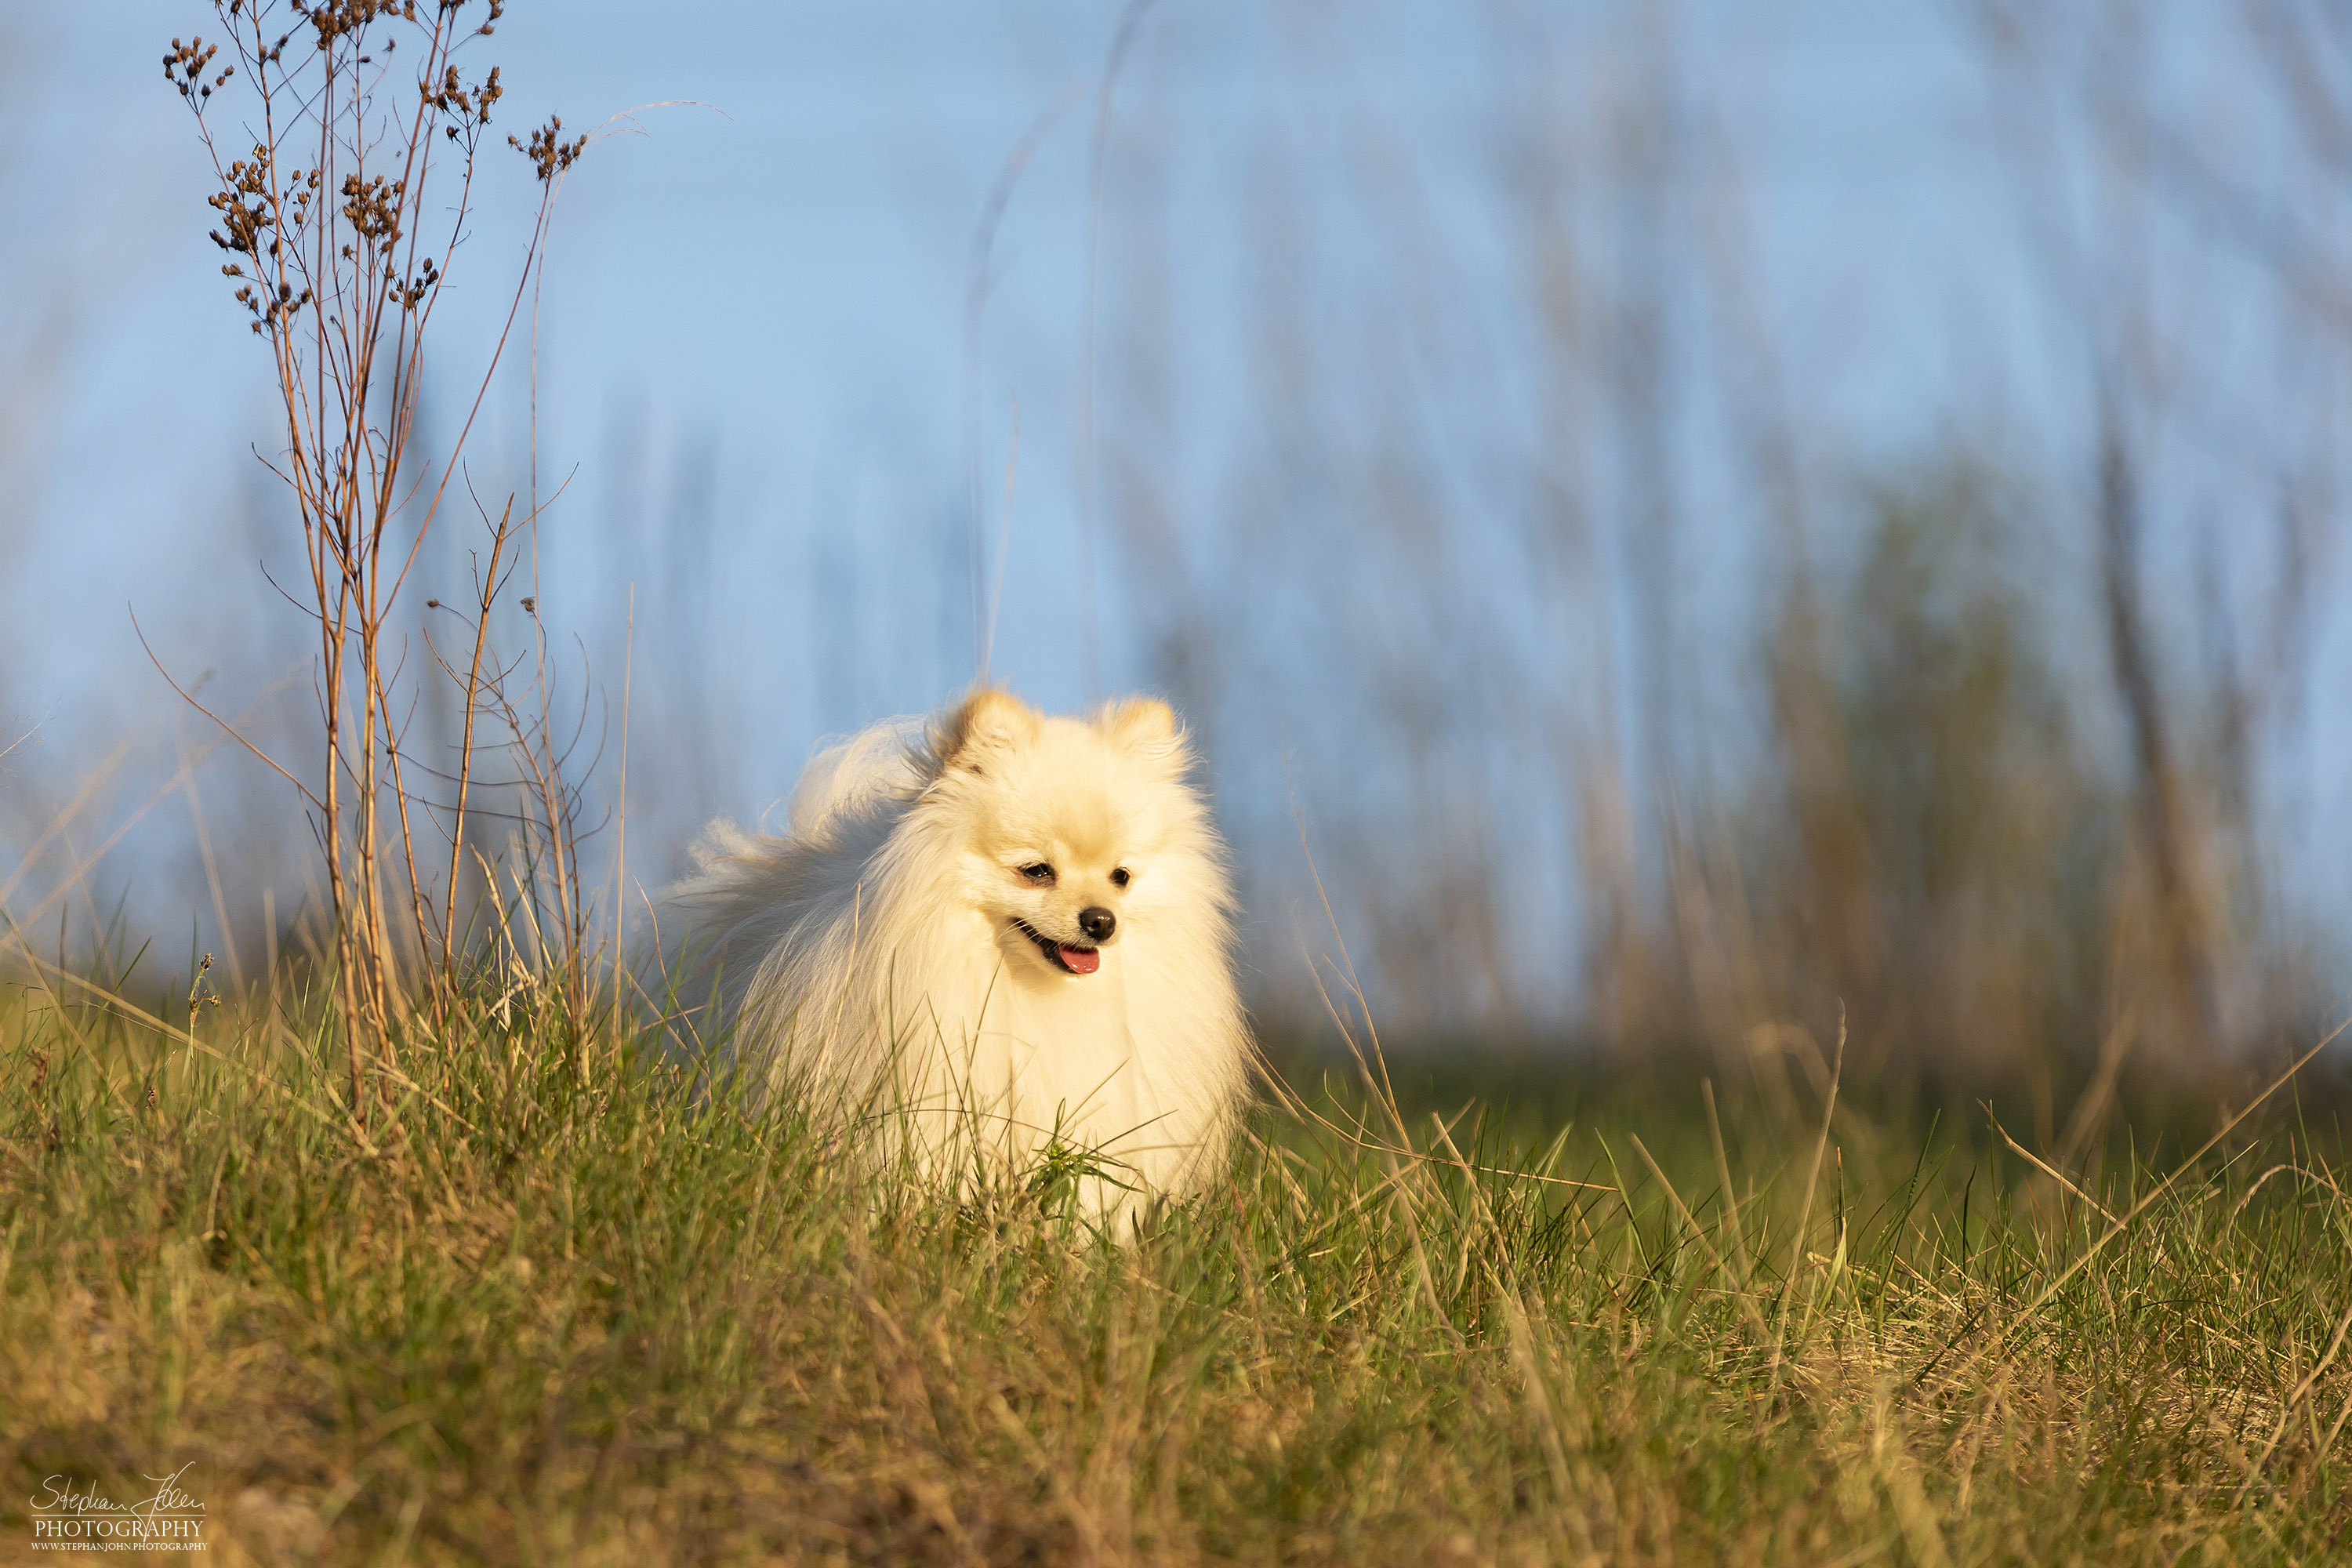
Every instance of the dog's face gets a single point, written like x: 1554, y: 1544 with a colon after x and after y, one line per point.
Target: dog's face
x: 1073, y: 832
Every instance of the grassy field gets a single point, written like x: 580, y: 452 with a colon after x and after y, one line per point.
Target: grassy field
x: 565, y: 1322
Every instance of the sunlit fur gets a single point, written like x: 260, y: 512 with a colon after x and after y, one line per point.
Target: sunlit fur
x: 873, y: 957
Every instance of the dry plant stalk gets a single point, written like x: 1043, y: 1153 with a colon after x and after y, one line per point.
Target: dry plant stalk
x: 339, y: 254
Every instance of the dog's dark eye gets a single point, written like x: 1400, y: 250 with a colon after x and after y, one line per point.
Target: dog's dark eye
x: 1121, y: 878
x: 1040, y: 873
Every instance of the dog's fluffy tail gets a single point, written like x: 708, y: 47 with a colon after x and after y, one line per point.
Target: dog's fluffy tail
x: 844, y: 781
x: 854, y: 772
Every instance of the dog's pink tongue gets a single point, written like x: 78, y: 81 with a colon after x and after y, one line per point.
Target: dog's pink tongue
x: 1082, y: 959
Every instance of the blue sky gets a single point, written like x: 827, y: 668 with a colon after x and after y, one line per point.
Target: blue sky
x: 753, y: 379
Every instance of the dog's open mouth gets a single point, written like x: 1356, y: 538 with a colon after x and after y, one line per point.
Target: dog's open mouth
x: 1068, y: 957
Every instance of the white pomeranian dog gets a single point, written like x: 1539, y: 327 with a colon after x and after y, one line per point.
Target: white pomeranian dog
x: 990, y: 940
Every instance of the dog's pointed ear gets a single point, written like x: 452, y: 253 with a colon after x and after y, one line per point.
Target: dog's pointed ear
x: 1142, y: 724
x: 991, y: 720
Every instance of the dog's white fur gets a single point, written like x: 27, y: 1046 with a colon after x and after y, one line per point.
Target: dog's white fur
x: 875, y: 957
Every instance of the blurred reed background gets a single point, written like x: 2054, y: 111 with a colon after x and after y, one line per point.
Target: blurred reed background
x: 1706, y: 520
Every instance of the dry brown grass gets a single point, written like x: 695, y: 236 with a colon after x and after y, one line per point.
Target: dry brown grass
x: 625, y: 1326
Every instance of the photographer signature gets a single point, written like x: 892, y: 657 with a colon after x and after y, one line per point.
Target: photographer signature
x: 57, y: 1496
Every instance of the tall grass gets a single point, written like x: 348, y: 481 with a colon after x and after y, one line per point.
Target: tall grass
x: 610, y: 1320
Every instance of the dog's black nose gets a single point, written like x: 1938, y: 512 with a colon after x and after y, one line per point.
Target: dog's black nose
x: 1098, y: 923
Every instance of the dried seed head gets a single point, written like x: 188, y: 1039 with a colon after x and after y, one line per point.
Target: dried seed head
x: 548, y: 151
